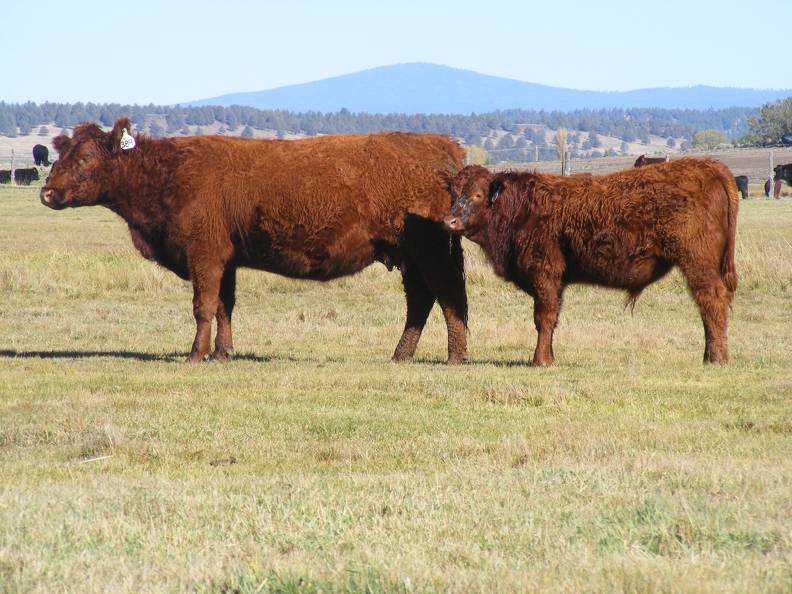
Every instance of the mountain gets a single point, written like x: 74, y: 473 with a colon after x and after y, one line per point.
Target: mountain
x: 429, y: 88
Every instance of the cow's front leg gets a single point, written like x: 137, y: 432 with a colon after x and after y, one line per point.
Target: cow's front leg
x: 206, y: 288
x: 224, y: 346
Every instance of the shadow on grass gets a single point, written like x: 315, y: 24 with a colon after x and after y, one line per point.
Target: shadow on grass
x: 163, y: 357
x: 13, y: 354
x: 476, y: 362
x: 182, y: 357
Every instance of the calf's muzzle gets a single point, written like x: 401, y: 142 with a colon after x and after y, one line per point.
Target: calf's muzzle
x: 453, y: 224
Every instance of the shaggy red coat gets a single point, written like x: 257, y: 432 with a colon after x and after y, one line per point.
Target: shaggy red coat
x: 625, y: 230
x: 310, y: 209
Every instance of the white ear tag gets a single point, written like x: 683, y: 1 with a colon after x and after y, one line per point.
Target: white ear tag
x: 127, y: 142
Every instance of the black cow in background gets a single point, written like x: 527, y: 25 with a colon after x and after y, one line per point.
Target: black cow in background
x: 5, y: 176
x: 742, y: 185
x: 783, y: 172
x: 41, y: 155
x: 23, y: 177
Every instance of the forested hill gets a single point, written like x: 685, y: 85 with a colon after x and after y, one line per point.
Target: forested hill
x: 629, y: 125
x: 431, y: 88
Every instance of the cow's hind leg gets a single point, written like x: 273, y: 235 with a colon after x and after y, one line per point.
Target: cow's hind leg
x: 713, y: 300
x: 419, y: 304
x: 439, y: 261
x: 449, y: 289
x: 224, y: 345
x: 442, y: 268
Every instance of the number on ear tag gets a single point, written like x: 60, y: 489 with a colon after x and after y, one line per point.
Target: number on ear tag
x: 127, y: 142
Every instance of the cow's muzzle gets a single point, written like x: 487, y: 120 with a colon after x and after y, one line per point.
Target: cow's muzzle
x: 52, y: 198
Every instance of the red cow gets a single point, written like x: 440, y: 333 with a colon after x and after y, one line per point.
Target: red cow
x: 310, y: 209
x: 625, y: 230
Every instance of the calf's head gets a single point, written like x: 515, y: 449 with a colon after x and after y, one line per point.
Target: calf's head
x: 81, y: 177
x: 474, y: 191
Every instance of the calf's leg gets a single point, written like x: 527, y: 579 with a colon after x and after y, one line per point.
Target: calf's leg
x: 714, y: 300
x: 224, y: 346
x: 547, y: 305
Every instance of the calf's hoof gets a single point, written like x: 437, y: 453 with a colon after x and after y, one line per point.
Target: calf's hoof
x: 542, y: 363
x: 221, y: 355
x: 457, y: 359
x: 197, y: 358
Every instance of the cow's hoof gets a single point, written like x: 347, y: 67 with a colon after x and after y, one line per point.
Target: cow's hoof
x: 456, y: 360
x: 402, y: 358
x: 197, y: 358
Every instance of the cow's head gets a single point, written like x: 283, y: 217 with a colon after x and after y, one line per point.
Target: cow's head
x: 475, y: 191
x: 81, y: 177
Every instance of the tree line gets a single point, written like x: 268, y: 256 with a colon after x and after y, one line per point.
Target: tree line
x: 515, y: 135
x: 630, y: 125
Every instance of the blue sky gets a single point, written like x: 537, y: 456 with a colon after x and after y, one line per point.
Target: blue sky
x: 157, y: 51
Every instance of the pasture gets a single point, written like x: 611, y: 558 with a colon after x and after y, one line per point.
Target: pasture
x: 311, y: 463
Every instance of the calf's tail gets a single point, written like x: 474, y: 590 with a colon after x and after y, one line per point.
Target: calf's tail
x: 728, y: 271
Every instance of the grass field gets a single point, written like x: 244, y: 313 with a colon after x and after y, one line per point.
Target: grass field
x: 313, y: 464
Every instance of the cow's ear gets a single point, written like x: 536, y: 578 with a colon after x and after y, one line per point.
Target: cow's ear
x: 61, y: 143
x: 118, y: 132
x: 495, y: 190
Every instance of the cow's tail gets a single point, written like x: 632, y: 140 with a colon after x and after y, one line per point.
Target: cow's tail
x: 728, y: 271
x: 458, y: 261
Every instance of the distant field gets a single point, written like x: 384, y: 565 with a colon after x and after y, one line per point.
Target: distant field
x: 313, y: 464
x: 750, y: 162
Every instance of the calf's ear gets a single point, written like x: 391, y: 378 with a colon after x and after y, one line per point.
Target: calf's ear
x: 118, y: 131
x: 446, y: 175
x: 495, y: 190
x: 61, y: 143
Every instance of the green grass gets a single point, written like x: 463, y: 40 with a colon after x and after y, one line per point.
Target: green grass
x: 313, y: 464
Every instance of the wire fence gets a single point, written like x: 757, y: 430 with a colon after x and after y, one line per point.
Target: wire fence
x: 755, y: 163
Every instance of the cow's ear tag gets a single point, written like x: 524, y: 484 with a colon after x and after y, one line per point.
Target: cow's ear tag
x: 127, y: 142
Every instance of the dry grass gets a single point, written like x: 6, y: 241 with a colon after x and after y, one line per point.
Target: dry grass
x: 312, y: 464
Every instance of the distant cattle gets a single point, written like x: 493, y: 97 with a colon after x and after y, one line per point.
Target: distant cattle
x: 768, y: 187
x: 5, y: 176
x: 777, y: 183
x: 23, y: 177
x: 41, y: 155
x: 625, y: 230
x: 643, y: 160
x: 317, y: 208
x: 742, y: 185
x: 783, y: 172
